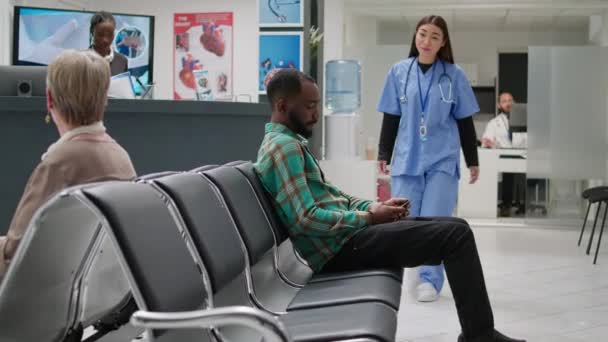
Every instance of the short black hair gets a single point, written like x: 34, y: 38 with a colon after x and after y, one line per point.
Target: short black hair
x: 286, y: 83
x: 101, y: 17
x: 504, y: 92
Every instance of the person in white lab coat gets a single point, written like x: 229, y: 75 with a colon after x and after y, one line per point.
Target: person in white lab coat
x: 497, y: 134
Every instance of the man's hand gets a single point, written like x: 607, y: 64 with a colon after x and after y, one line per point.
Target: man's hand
x: 381, y: 213
x: 398, y: 202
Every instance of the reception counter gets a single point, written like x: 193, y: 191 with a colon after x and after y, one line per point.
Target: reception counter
x: 480, y: 200
x: 159, y: 135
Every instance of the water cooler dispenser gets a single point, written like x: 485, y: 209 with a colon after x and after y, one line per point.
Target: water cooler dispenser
x: 342, y: 99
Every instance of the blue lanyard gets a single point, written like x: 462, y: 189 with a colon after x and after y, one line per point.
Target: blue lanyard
x: 424, y: 101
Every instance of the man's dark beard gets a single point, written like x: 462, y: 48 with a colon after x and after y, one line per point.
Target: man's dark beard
x: 299, y: 126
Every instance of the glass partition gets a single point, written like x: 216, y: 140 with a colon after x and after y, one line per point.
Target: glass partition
x: 567, y: 127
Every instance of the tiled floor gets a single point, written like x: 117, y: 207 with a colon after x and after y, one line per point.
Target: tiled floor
x: 542, y: 288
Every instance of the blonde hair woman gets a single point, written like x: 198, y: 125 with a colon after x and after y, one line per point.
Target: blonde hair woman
x: 77, y: 92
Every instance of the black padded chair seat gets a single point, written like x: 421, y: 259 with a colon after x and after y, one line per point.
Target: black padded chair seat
x: 374, y: 321
x: 599, y: 195
x: 594, y: 194
x: 383, y: 289
x: 396, y: 274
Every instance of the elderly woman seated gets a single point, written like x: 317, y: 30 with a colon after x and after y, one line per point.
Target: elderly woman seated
x: 77, y: 92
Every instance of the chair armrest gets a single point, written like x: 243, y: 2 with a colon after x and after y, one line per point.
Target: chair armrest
x: 269, y: 326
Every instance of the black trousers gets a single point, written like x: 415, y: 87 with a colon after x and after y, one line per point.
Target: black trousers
x: 507, y: 189
x: 426, y: 241
x: 513, y: 183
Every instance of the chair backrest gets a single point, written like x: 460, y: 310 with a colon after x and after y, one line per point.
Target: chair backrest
x: 105, y: 290
x: 265, y: 200
x: 291, y: 266
x: 45, y: 294
x: 243, y: 204
x: 209, y: 224
x: 237, y: 162
x: 216, y: 239
x: 163, y: 269
x: 164, y: 274
x: 154, y: 175
x: 204, y: 168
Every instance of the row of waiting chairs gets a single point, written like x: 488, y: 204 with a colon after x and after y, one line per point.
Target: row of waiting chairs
x: 201, y: 255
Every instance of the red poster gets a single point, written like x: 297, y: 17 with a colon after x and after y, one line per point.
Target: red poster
x: 203, y: 56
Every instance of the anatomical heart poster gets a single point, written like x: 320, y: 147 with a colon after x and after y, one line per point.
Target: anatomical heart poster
x: 203, y: 56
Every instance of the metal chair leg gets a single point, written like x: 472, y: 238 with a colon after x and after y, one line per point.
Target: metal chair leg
x: 599, y: 240
x: 599, y: 208
x: 580, y: 238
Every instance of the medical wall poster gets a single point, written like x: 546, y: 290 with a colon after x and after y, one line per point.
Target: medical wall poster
x: 278, y: 50
x: 202, y: 41
x: 281, y: 13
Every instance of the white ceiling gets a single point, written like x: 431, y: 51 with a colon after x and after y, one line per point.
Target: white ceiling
x: 514, y: 15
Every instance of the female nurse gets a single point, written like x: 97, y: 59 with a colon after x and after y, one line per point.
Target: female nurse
x: 428, y: 105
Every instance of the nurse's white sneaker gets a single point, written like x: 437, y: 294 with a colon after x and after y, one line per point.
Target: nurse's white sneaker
x: 426, y: 292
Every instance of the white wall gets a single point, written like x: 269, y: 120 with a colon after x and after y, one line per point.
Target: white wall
x: 333, y: 26
x: 6, y: 15
x: 480, y: 47
x: 469, y: 47
x: 246, y: 42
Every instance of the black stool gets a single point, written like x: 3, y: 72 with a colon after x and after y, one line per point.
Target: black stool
x: 597, y: 195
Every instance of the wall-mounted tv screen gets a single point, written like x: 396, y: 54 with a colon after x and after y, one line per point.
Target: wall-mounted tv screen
x: 40, y: 34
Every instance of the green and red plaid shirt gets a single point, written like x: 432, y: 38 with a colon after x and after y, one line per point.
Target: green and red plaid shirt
x: 320, y: 218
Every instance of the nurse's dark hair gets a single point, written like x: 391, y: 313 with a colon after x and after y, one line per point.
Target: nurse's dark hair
x: 445, y: 53
x: 98, y: 18
x: 286, y: 83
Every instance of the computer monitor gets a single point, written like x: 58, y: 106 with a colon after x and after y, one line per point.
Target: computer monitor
x: 16, y: 79
x: 40, y: 34
x: 518, y: 118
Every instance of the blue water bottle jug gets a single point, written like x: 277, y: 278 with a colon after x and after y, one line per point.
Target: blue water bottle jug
x: 342, y: 86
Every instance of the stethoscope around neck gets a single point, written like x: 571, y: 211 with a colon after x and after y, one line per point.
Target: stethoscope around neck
x: 450, y: 99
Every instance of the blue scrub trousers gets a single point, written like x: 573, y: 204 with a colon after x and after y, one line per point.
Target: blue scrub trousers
x: 432, y: 194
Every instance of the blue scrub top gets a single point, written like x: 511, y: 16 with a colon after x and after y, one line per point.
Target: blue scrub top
x: 440, y: 151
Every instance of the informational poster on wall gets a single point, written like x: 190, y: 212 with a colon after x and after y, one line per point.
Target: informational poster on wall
x: 278, y: 50
x: 281, y: 13
x: 203, y: 56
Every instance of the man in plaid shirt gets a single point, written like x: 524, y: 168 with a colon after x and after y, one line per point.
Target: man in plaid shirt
x: 336, y: 232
